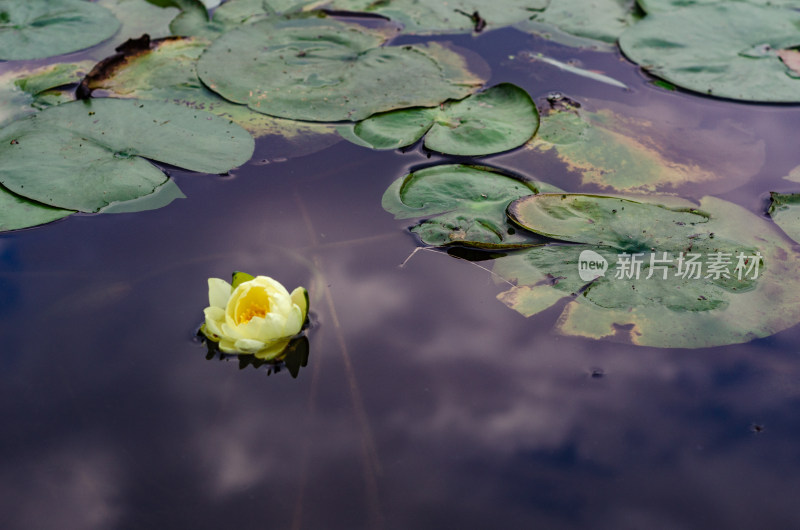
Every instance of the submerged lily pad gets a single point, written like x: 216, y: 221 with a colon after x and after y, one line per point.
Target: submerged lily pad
x: 455, y: 16
x: 498, y: 119
x: 34, y: 29
x: 320, y: 69
x: 784, y: 209
x: 86, y: 155
x: 25, y: 90
x: 626, y: 152
x: 165, y: 70
x: 582, y: 23
x: 463, y: 205
x: 707, y: 276
x: 730, y: 50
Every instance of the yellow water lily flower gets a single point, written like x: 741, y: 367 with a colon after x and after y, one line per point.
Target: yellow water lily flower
x: 258, y: 316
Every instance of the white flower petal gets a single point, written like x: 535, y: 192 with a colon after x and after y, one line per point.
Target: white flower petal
x: 295, y: 321
x: 218, y: 292
x: 272, y: 350
x: 215, y: 316
x: 226, y: 345
x: 300, y: 299
x: 268, y: 328
x: 248, y: 345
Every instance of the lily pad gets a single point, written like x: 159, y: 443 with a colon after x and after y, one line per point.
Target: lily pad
x: 658, y: 6
x: 707, y: 276
x: 628, y: 152
x: 35, y: 29
x: 729, y: 50
x: 165, y: 70
x: 138, y: 17
x: 581, y: 23
x: 498, y: 119
x: 462, y: 205
x: 195, y: 21
x: 24, y: 91
x: 86, y: 155
x: 18, y: 212
x: 457, y: 16
x: 320, y: 69
x: 784, y: 209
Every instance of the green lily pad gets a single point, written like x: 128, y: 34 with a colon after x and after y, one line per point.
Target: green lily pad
x: 578, y: 23
x: 730, y: 50
x: 745, y: 286
x: 138, y: 17
x: 162, y: 196
x: 498, y: 119
x: 320, y: 69
x: 462, y: 205
x: 194, y: 21
x: 659, y: 6
x: 35, y: 29
x: 457, y: 16
x: 626, y: 152
x: 86, y: 155
x: 165, y: 70
x: 18, y: 212
x: 784, y: 209
x: 25, y: 90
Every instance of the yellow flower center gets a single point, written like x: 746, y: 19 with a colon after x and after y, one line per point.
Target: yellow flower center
x: 254, y: 303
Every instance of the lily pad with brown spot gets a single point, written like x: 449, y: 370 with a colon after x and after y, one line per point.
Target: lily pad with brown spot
x: 746, y: 285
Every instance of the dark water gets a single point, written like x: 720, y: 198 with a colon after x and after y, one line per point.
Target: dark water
x: 425, y: 404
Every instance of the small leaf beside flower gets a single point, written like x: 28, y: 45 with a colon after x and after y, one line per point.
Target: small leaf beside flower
x: 255, y: 315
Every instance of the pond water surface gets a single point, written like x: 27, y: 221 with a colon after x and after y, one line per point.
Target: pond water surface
x: 426, y: 403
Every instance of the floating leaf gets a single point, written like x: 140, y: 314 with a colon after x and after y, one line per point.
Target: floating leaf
x: 320, y: 69
x: 745, y: 286
x: 138, y: 17
x: 465, y: 205
x: 498, y: 119
x: 25, y: 90
x: 784, y: 209
x: 579, y: 23
x: 35, y: 29
x: 622, y: 151
x: 18, y: 212
x: 165, y: 70
x: 455, y: 16
x: 730, y: 50
x: 658, y: 6
x: 85, y: 155
x: 161, y: 197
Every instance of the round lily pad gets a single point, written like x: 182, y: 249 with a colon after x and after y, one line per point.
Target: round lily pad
x: 320, y: 69
x: 498, y: 119
x: 581, y: 23
x: 86, y: 155
x: 33, y: 29
x: 731, y: 50
x: 165, y: 70
x: 462, y: 205
x: 454, y: 16
x: 657, y: 272
x: 657, y: 6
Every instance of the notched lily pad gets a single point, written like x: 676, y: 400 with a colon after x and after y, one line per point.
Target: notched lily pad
x: 664, y: 274
x: 320, y: 69
x: 165, y: 70
x: 784, y: 209
x: 34, y: 29
x: 86, y: 155
x: 729, y: 50
x: 462, y: 205
x: 498, y: 119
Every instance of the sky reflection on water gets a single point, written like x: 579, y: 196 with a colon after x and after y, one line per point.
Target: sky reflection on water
x: 444, y: 409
